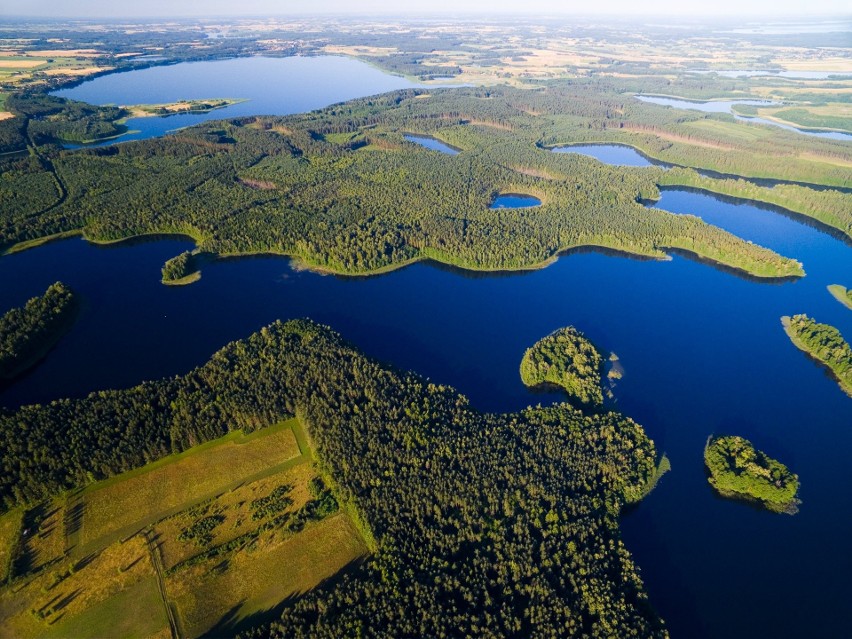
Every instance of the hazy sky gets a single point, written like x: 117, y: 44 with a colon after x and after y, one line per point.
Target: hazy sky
x: 147, y: 8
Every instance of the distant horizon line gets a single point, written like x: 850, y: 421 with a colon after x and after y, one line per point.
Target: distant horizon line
x: 807, y: 16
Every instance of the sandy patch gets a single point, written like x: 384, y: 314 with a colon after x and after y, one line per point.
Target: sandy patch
x: 5, y: 115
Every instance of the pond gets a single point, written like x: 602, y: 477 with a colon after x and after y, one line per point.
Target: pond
x: 431, y: 143
x: 614, y: 154
x: 515, y: 201
x: 270, y: 86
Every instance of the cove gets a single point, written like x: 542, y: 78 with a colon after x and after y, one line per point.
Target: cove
x: 270, y: 86
x: 703, y: 352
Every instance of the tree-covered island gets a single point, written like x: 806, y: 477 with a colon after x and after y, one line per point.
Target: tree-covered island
x: 29, y: 332
x: 566, y: 359
x: 824, y: 344
x: 841, y: 294
x: 738, y: 470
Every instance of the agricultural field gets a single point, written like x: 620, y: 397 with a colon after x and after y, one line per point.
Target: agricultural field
x: 223, y: 531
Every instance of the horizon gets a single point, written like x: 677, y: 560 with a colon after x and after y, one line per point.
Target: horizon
x: 626, y: 9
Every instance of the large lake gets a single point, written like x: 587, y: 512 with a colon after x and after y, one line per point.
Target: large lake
x: 703, y: 352
x: 278, y: 86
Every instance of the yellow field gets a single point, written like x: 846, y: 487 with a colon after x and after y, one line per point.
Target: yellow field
x: 121, y: 506
x: 58, y: 595
x: 259, y: 579
x: 234, y: 506
x: 21, y: 63
x: 10, y: 527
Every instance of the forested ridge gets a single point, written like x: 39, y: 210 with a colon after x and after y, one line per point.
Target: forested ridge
x: 342, y: 190
x: 500, y: 525
x: 28, y: 332
x: 825, y: 344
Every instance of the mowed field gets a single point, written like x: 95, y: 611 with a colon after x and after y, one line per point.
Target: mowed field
x: 187, y: 544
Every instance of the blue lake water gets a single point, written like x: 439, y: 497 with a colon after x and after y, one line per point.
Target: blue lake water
x: 726, y: 106
x: 794, y: 75
x: 703, y: 352
x: 615, y: 154
x: 431, y: 143
x: 515, y: 201
x: 271, y: 86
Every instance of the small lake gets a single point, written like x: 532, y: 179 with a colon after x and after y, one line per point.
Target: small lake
x: 726, y: 106
x: 515, y: 201
x: 431, y: 143
x: 271, y: 86
x: 614, y: 154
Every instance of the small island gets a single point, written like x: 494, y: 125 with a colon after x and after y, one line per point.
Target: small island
x: 181, y: 106
x: 738, y: 470
x: 823, y: 343
x: 841, y: 294
x: 181, y: 269
x: 28, y: 333
x: 565, y: 358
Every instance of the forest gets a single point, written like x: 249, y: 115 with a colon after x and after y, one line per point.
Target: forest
x: 823, y: 343
x: 479, y: 524
x: 738, y: 470
x: 566, y: 359
x: 341, y: 190
x: 29, y: 332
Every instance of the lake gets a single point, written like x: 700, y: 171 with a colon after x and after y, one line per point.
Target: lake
x: 271, y: 86
x: 431, y: 143
x: 703, y: 352
x: 726, y: 106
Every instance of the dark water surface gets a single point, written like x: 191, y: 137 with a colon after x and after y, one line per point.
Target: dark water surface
x: 703, y: 352
x: 271, y: 86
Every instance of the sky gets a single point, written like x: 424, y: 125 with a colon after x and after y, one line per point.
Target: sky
x: 198, y: 8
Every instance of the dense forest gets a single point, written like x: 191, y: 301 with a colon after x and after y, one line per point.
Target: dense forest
x: 479, y: 524
x: 738, y: 470
x: 825, y: 344
x: 342, y: 190
x: 565, y: 358
x: 27, y: 333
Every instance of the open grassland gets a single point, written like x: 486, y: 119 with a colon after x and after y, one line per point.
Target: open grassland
x: 122, y: 505
x: 76, y: 598
x: 10, y: 533
x: 265, y: 575
x: 234, y: 508
x: 252, y: 526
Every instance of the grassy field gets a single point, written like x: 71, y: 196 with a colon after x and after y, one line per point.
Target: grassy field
x: 234, y: 507
x: 75, y: 598
x: 10, y: 530
x: 121, y: 506
x: 138, y: 565
x: 261, y: 578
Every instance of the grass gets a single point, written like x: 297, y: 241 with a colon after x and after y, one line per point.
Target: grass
x: 122, y: 505
x: 44, y: 542
x: 135, y: 613
x: 10, y: 531
x: 841, y: 294
x: 257, y: 580
x: 235, y: 507
x: 73, y: 590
